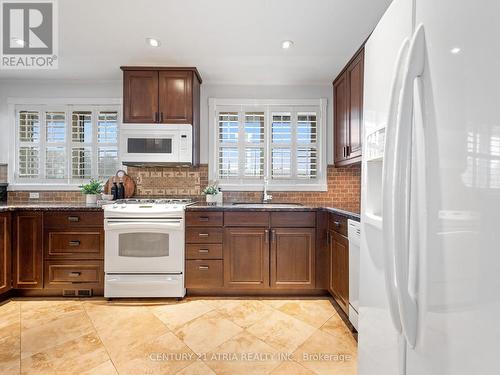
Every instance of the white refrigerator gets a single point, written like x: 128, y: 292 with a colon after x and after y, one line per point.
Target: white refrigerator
x: 430, y: 204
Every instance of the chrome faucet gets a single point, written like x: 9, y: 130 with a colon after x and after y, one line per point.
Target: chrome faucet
x: 266, y: 198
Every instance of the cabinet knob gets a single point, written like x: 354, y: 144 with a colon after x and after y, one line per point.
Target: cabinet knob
x: 336, y: 223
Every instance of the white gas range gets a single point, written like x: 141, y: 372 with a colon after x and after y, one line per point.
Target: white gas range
x: 144, y: 248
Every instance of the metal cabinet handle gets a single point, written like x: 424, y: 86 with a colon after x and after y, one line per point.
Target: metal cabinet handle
x: 266, y: 236
x: 203, y: 218
x: 73, y: 219
x: 74, y: 274
x: 336, y: 223
x: 203, y: 234
x: 74, y: 243
x: 273, y: 235
x: 203, y: 268
x: 204, y: 251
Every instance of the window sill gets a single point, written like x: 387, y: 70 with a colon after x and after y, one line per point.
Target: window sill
x: 43, y: 187
x: 270, y: 188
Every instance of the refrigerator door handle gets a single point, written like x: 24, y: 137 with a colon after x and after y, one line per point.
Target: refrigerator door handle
x: 388, y: 186
x: 402, y: 179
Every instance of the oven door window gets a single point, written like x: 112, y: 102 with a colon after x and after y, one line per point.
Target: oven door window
x: 149, y: 145
x: 143, y: 245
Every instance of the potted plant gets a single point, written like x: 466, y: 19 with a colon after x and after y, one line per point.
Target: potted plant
x: 92, y: 190
x: 213, y: 194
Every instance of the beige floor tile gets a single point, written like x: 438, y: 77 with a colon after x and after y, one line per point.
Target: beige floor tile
x: 176, y: 315
x: 336, y: 327
x: 70, y: 357
x: 105, y: 368
x: 217, y: 303
x: 39, y: 312
x: 282, y: 331
x: 207, y: 332
x: 340, y: 352
x: 291, y: 368
x: 10, y: 354
x: 243, y: 354
x: 165, y: 354
x: 276, y: 303
x: 246, y: 312
x: 122, y: 328
x: 41, y: 338
x: 313, y: 312
x: 196, y: 368
x: 10, y: 313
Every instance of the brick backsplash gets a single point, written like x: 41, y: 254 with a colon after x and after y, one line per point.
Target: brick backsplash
x: 344, y: 188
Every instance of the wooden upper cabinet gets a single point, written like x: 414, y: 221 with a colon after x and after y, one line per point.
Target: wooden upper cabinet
x: 140, y: 96
x: 339, y: 269
x: 161, y: 95
x: 5, y: 253
x: 355, y: 75
x: 28, y: 250
x: 293, y: 258
x: 246, y: 258
x: 176, y: 96
x: 348, y: 112
x: 340, y: 118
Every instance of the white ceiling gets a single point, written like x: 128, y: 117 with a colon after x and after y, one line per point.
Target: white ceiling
x: 230, y: 41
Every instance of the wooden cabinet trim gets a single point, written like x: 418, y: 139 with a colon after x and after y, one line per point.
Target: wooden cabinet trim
x: 5, y: 253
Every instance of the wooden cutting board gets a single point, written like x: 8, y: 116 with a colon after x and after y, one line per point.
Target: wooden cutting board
x: 128, y: 183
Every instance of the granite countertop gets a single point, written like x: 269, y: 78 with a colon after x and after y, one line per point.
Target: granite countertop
x: 198, y: 206
x: 48, y: 206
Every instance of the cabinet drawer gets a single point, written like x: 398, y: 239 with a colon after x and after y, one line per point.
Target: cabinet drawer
x: 61, y: 274
x: 73, y: 219
x: 204, y: 219
x: 293, y: 219
x: 204, y: 251
x: 246, y: 219
x: 338, y: 224
x: 204, y: 273
x: 81, y: 244
x: 204, y: 235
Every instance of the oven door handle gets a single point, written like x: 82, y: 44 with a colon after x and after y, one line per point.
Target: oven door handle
x: 143, y: 225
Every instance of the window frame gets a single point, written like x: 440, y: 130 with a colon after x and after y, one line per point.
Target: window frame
x: 268, y: 106
x: 68, y: 105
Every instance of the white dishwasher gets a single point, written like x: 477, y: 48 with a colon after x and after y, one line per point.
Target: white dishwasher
x: 353, y: 234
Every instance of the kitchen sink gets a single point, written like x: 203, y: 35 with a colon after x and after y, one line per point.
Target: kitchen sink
x: 268, y: 205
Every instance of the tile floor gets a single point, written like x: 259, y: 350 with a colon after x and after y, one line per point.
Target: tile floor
x: 192, y: 337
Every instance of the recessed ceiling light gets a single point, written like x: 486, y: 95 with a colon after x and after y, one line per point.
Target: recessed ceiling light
x: 287, y: 44
x: 455, y: 50
x: 153, y: 42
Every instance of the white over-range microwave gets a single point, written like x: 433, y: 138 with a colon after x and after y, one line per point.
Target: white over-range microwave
x: 156, y: 144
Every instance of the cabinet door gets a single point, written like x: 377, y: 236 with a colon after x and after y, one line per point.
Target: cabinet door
x: 341, y: 118
x: 28, y: 252
x: 355, y: 76
x: 5, y: 253
x: 140, y: 96
x: 292, y: 257
x: 176, y: 97
x: 339, y: 269
x: 246, y: 258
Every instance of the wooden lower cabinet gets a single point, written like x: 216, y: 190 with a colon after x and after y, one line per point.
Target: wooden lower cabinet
x: 5, y: 253
x: 293, y: 258
x: 71, y: 274
x: 246, y: 258
x: 204, y: 273
x: 339, y: 269
x: 28, y: 250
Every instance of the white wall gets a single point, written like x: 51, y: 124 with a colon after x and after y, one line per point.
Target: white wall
x: 113, y: 89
